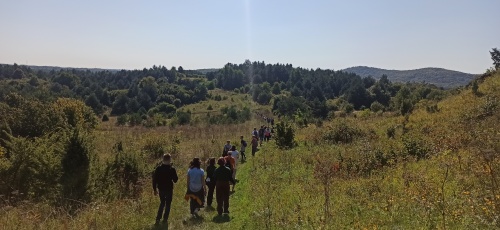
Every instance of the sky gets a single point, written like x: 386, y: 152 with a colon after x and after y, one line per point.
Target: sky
x: 330, y: 34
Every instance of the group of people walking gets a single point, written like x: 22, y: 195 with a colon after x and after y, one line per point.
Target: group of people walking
x: 218, y: 179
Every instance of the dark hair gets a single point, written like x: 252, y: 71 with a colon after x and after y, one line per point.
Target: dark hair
x: 196, y: 162
x: 233, y: 148
x: 166, y: 157
x: 211, y: 161
x: 221, y: 161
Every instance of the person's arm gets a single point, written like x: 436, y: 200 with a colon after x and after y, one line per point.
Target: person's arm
x: 204, y: 184
x: 155, y: 181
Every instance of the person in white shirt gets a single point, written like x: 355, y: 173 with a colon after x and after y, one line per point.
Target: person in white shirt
x: 236, y: 155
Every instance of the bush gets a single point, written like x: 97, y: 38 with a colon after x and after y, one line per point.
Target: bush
x: 121, y: 176
x: 376, y: 106
x: 183, y: 118
x: 342, y: 132
x: 105, y: 118
x: 76, y: 169
x: 415, y: 147
x: 285, y: 136
x: 122, y: 120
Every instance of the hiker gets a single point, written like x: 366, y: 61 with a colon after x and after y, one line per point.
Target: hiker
x: 255, y: 143
x: 267, y: 134
x: 242, y: 150
x: 236, y: 155
x: 255, y: 132
x: 227, y: 147
x: 196, y: 186
x: 210, y: 181
x: 164, y: 178
x: 222, y: 177
x: 230, y: 163
x: 261, y: 134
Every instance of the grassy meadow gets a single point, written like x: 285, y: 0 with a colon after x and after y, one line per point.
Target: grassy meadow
x: 432, y: 169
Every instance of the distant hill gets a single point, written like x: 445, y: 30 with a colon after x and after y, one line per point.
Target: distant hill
x: 437, y: 76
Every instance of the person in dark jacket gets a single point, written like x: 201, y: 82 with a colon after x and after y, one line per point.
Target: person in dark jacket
x: 164, y: 178
x: 222, y: 176
x: 210, y: 180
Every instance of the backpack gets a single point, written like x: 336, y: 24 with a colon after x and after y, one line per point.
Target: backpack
x: 244, y: 143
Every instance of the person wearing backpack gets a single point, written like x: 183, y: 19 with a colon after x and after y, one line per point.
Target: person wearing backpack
x: 255, y: 132
x: 164, y: 178
x: 243, y: 147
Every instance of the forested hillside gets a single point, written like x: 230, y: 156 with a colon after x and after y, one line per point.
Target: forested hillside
x: 437, y: 76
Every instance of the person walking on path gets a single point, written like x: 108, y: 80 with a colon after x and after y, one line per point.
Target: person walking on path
x: 255, y: 144
x: 210, y: 181
x: 222, y: 177
x: 267, y: 134
x: 243, y: 148
x: 255, y: 132
x: 196, y: 187
x: 227, y: 147
x: 261, y: 134
x: 164, y: 178
x: 236, y: 156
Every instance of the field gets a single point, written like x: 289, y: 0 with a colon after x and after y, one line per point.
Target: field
x: 428, y: 170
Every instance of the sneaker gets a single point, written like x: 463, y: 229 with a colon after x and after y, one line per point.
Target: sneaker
x: 195, y: 212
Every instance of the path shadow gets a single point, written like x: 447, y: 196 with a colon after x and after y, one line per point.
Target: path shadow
x: 193, y: 220
x: 161, y: 226
x: 209, y: 209
x: 221, y: 219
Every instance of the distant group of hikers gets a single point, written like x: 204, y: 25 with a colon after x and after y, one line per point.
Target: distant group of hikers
x: 218, y: 179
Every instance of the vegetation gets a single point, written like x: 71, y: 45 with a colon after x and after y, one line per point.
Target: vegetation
x: 420, y: 158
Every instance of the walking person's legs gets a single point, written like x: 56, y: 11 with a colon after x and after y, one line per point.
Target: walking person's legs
x: 162, y: 206
x: 168, y: 202
x: 219, y: 196
x: 210, y: 194
x: 226, y: 199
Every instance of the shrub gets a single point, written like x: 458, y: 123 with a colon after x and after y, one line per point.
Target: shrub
x: 76, y: 169
x: 376, y: 106
x: 122, y: 120
x: 121, y: 176
x: 415, y: 147
x: 285, y: 136
x: 183, y: 118
x: 210, y: 107
x: 342, y: 132
x: 105, y: 118
x: 154, y: 147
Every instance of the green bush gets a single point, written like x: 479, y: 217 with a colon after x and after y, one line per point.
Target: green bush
x: 105, y: 118
x: 121, y: 176
x: 342, y: 132
x: 182, y: 118
x: 285, y: 135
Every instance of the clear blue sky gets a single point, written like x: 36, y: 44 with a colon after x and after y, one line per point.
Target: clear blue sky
x: 333, y: 34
